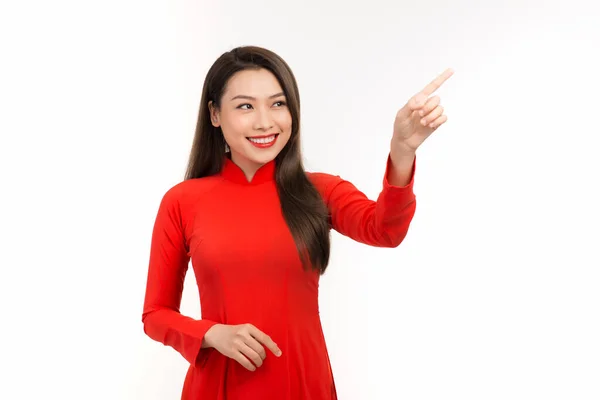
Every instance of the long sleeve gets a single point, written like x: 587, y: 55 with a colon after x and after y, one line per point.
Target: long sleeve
x: 168, y: 266
x: 381, y: 223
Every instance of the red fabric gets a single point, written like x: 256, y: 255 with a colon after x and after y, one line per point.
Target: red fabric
x: 248, y: 271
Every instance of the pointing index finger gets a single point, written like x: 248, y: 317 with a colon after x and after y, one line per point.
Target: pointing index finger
x: 437, y: 82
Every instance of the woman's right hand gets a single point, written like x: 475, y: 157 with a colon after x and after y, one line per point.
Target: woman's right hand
x: 241, y: 343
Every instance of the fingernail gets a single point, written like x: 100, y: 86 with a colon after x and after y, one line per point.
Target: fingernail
x: 421, y: 113
x: 278, y: 353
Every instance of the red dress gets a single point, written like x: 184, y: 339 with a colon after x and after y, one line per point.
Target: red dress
x: 248, y: 271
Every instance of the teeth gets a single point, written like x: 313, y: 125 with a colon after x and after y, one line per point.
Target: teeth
x: 262, y: 140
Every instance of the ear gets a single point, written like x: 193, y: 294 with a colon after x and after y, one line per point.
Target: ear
x: 214, y: 114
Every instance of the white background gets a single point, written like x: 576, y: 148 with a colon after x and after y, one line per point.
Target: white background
x: 493, y: 294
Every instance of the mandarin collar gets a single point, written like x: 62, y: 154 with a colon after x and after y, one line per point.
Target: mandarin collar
x: 232, y: 172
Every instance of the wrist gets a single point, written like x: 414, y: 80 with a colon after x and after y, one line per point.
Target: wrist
x: 208, y: 339
x: 401, y: 151
x: 402, y: 159
x: 401, y: 163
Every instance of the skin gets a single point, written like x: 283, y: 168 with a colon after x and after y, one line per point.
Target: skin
x: 416, y: 121
x: 262, y: 110
x: 253, y: 104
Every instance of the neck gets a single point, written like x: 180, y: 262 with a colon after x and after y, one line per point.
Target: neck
x: 241, y: 170
x: 248, y: 167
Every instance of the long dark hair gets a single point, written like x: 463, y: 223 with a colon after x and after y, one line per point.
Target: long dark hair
x: 301, y: 204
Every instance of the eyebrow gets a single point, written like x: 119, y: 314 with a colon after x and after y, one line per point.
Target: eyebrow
x: 241, y: 96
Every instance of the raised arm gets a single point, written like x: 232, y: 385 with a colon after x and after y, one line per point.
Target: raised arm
x: 385, y: 222
x: 166, y: 273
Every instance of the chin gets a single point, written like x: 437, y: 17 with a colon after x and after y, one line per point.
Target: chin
x: 258, y: 159
x: 263, y: 156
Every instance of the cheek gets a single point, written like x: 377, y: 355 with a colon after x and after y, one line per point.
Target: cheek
x: 235, y: 128
x: 285, y: 122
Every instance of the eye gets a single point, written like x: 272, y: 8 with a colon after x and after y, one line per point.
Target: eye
x: 241, y: 106
x: 281, y: 102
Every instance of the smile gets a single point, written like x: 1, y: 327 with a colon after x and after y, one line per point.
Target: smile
x: 263, y: 142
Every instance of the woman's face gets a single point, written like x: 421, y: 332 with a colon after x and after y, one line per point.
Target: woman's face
x: 254, y: 118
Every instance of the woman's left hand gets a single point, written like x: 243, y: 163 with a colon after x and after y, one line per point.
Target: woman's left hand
x: 419, y: 118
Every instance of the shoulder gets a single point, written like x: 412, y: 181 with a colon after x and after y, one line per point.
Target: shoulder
x: 328, y: 184
x: 322, y: 181
x: 188, y: 192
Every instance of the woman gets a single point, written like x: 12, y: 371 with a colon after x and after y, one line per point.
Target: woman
x: 256, y: 228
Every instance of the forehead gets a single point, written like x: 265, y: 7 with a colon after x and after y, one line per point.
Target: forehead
x: 256, y: 83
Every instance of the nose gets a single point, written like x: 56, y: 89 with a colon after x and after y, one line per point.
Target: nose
x: 264, y: 120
